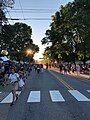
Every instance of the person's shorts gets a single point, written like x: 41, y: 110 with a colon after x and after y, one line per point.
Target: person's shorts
x: 15, y: 86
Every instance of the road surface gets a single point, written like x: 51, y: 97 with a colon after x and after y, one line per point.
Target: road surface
x: 48, y: 96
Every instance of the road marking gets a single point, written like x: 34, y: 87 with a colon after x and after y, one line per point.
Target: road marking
x: 0, y: 92
x: 62, y: 81
x: 9, y: 98
x: 79, y: 96
x: 56, y: 96
x: 88, y: 90
x: 34, y: 96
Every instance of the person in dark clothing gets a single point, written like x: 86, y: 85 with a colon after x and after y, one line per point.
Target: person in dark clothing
x: 38, y: 69
x: 61, y: 68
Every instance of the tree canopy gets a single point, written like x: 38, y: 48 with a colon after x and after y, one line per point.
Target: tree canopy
x: 16, y: 39
x: 68, y: 35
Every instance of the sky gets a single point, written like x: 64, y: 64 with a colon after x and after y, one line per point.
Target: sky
x: 39, y: 27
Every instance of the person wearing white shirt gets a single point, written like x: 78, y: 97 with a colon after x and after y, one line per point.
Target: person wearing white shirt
x: 78, y: 69
x: 14, y: 79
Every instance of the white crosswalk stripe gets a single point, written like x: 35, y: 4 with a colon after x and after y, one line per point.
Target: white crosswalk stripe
x: 9, y: 98
x: 34, y: 96
x: 0, y: 92
x: 56, y: 96
x: 88, y: 90
x: 79, y: 96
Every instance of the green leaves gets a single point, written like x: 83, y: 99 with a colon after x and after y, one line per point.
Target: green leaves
x: 70, y: 30
x: 16, y: 39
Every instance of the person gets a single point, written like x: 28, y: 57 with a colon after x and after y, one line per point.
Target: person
x: 78, y: 69
x: 46, y: 66
x: 2, y: 73
x: 38, y: 69
x: 14, y: 78
x: 89, y: 71
x: 29, y: 70
x: 73, y: 68
x: 65, y: 68
x: 41, y: 66
x: 60, y: 67
x: 35, y: 68
x: 21, y: 80
x: 69, y: 68
x: 23, y: 74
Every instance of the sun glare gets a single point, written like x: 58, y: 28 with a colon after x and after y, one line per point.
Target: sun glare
x: 38, y: 56
x: 29, y: 52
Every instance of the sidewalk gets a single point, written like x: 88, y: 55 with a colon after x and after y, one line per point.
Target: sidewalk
x: 72, y: 74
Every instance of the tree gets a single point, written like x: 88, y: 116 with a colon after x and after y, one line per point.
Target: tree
x: 16, y: 39
x: 70, y: 29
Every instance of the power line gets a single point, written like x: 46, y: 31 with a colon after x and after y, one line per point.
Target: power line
x: 29, y: 19
x: 21, y: 8
x: 31, y: 11
x: 36, y: 9
x: 9, y: 14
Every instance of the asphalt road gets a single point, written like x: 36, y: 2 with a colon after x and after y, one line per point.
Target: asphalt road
x: 48, y: 96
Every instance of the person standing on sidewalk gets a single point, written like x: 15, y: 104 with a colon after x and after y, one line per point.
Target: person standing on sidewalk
x: 14, y: 79
x: 73, y: 68
x: 46, y: 66
x: 78, y: 69
x: 65, y: 68
x: 60, y: 67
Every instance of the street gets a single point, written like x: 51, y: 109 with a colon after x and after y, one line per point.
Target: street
x: 45, y: 60
x: 48, y: 96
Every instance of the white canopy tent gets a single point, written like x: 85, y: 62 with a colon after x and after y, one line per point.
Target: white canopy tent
x: 88, y: 62
x: 78, y: 62
x: 4, y: 58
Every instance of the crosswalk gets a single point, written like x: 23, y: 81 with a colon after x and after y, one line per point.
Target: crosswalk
x: 9, y: 98
x: 55, y: 96
x: 88, y: 90
x: 34, y: 96
x: 79, y: 96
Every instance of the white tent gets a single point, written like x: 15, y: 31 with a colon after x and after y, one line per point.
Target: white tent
x: 88, y: 62
x: 78, y: 62
x: 4, y: 58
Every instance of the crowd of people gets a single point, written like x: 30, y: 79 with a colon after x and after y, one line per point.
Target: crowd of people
x: 22, y: 69
x: 73, y: 68
x: 6, y: 69
x: 16, y: 75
